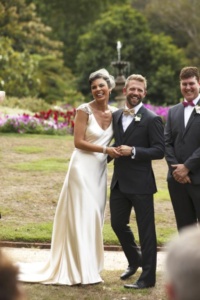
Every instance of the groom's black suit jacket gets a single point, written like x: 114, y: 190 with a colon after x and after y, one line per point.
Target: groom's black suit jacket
x: 135, y: 176
x: 183, y: 143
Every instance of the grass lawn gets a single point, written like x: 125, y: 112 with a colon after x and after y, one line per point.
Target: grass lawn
x: 33, y: 168
x: 111, y: 289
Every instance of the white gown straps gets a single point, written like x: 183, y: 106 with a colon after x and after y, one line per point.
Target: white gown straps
x: 76, y: 255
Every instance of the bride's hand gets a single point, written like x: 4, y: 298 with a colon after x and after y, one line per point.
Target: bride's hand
x: 112, y: 152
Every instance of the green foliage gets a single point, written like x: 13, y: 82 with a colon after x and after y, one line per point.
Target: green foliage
x: 180, y: 19
x: 20, y: 23
x: 30, y: 62
x: 71, y: 19
x: 29, y: 103
x: 56, y: 81
x: 17, y: 70
x: 149, y: 54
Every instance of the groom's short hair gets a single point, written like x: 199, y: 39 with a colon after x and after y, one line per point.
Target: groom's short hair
x: 137, y: 77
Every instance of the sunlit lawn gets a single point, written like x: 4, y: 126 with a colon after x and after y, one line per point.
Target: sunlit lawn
x: 33, y: 168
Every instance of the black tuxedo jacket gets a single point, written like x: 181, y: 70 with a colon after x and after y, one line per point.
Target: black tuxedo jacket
x: 183, y: 143
x: 135, y: 176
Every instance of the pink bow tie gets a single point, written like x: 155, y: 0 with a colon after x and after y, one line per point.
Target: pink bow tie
x: 188, y: 103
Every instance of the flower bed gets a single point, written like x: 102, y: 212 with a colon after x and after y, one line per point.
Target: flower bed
x: 54, y: 121
x: 51, y: 122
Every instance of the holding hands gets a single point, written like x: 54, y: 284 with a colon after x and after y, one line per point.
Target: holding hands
x: 116, y: 152
x: 113, y: 152
x: 124, y: 150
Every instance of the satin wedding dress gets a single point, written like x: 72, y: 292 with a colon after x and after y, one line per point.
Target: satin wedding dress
x: 76, y: 255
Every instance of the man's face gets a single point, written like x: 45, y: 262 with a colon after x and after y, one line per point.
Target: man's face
x: 134, y: 92
x: 190, y: 88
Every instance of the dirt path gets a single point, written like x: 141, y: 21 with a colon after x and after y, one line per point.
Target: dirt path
x: 113, y: 260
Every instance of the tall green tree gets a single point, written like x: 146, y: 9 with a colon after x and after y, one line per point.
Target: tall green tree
x: 17, y: 71
x: 70, y: 19
x: 152, y: 55
x: 180, y: 19
x: 31, y: 62
x: 20, y: 23
x: 57, y: 82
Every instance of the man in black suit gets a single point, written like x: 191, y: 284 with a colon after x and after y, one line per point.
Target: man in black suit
x: 182, y: 141
x: 139, y: 136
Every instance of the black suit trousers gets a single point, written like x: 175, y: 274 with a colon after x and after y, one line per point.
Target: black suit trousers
x: 121, y: 205
x: 186, y: 202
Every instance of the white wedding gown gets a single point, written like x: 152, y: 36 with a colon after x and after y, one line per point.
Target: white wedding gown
x: 76, y: 255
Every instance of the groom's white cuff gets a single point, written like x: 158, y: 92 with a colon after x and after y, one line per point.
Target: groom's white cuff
x: 133, y: 153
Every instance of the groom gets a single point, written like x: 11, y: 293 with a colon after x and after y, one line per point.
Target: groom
x: 139, y: 137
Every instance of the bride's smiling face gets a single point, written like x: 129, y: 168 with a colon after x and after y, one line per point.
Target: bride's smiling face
x: 100, y: 90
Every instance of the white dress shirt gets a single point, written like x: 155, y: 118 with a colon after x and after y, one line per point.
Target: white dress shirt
x: 127, y: 119
x: 188, y: 110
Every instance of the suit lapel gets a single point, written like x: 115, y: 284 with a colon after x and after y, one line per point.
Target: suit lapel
x: 190, y: 121
x: 119, y: 130
x: 181, y: 118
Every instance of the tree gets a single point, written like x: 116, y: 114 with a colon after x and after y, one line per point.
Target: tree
x: 70, y: 19
x: 57, y: 84
x: 152, y: 55
x: 20, y: 23
x: 31, y: 63
x: 180, y: 19
x: 17, y: 71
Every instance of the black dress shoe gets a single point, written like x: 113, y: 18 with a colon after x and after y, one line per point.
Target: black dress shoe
x: 129, y: 272
x: 139, y: 285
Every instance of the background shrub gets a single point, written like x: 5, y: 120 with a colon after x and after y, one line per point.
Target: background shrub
x: 28, y: 103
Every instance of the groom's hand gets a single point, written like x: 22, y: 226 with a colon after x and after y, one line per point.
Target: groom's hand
x: 124, y: 150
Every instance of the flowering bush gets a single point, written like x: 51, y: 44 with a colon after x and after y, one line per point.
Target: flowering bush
x: 54, y: 121
x: 51, y: 122
x: 159, y: 110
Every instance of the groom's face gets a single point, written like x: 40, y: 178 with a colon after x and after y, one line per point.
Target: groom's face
x: 135, y: 92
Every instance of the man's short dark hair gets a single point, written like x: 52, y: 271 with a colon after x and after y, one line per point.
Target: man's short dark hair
x: 188, y: 72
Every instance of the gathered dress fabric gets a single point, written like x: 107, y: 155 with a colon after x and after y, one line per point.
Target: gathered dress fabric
x: 76, y: 254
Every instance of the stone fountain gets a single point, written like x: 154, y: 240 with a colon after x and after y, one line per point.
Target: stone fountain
x: 120, y: 68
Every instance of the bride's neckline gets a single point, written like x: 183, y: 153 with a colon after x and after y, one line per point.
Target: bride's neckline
x: 105, y: 114
x: 107, y: 110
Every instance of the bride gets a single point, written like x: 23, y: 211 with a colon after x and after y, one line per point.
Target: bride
x: 76, y: 255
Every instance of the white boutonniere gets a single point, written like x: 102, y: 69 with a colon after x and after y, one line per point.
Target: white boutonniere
x: 197, y: 108
x: 138, y: 117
